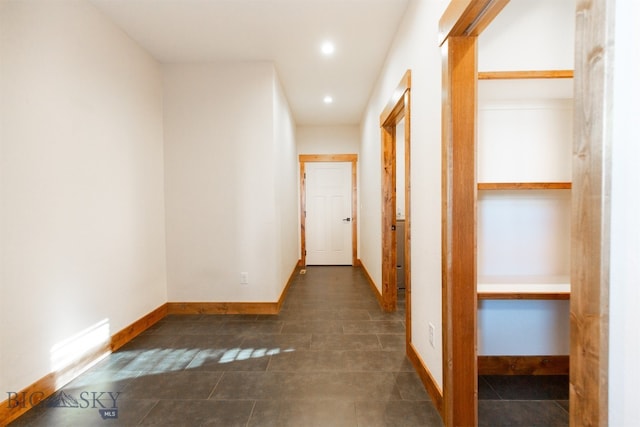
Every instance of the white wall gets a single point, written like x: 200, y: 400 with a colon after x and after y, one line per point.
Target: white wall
x: 81, y: 185
x: 328, y: 139
x: 222, y: 170
x: 529, y: 35
x: 624, y: 350
x: 286, y: 183
x: 415, y: 47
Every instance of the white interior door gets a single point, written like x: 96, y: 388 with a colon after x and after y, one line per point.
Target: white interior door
x: 328, y: 220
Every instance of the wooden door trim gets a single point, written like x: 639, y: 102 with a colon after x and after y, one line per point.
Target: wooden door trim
x: 328, y: 158
x: 398, y: 107
x: 590, y: 217
x: 460, y: 25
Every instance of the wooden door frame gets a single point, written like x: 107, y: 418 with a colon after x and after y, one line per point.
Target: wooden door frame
x: 590, y: 217
x: 460, y: 25
x: 329, y: 158
x: 398, y: 107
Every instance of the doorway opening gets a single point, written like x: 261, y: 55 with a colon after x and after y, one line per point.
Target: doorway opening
x: 395, y: 121
x: 352, y: 219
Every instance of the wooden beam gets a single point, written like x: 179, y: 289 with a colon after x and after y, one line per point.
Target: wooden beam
x: 459, y: 201
x: 468, y: 18
x: 591, y: 205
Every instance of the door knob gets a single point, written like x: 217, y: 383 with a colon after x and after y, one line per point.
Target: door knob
x: 346, y: 219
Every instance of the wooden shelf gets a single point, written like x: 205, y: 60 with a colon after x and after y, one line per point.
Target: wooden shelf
x: 545, y: 288
x: 524, y: 186
x: 540, y: 74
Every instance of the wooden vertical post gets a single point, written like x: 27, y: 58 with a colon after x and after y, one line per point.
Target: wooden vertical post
x: 591, y: 208
x: 459, y: 230
x: 389, y: 244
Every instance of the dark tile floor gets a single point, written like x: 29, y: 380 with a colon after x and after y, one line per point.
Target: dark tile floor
x: 330, y: 358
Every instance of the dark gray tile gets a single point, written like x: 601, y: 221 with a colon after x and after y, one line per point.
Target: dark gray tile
x: 378, y: 361
x: 312, y: 327
x: 251, y: 327
x: 202, y: 342
x: 527, y: 413
x: 150, y: 342
x: 373, y: 327
x: 344, y: 342
x: 303, y: 413
x: 158, y: 359
x: 398, y: 315
x: 278, y: 343
x: 231, y: 359
x: 530, y: 387
x: 129, y: 412
x: 101, y: 380
x: 397, y: 414
x: 172, y: 385
x: 393, y: 341
x: 564, y: 404
x: 485, y: 392
x: 189, y: 328
x: 190, y: 413
x: 324, y: 314
x: 249, y: 386
x: 305, y: 386
x: 411, y: 387
x: 309, y: 361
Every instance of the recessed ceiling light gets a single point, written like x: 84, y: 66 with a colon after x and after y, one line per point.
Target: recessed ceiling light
x: 327, y: 48
x: 328, y: 99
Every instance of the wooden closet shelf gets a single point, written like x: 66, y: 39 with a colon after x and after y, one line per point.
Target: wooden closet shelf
x: 524, y: 185
x: 545, y: 289
x: 538, y: 74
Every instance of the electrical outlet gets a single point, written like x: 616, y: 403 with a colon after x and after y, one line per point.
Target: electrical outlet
x: 244, y: 278
x: 432, y: 331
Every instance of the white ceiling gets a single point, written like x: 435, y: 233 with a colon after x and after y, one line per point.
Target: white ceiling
x: 287, y: 32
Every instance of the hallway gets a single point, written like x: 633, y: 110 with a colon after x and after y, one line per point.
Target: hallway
x: 330, y: 358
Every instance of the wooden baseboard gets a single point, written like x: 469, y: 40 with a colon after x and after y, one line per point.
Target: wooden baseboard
x: 427, y: 379
x: 222, y: 307
x: 292, y: 277
x: 30, y: 396
x: 523, y: 365
x: 49, y: 384
x: 122, y: 337
x: 233, y: 307
x: 372, y: 284
x: 19, y: 403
